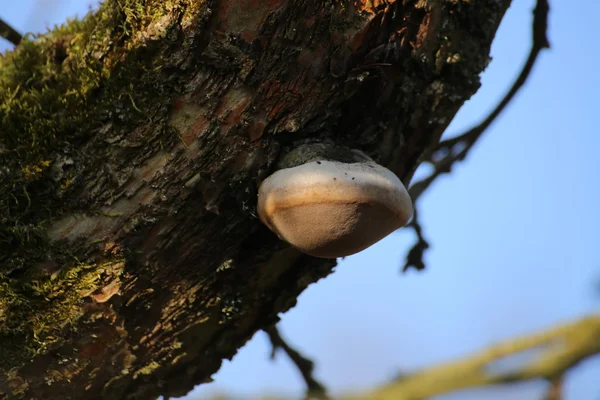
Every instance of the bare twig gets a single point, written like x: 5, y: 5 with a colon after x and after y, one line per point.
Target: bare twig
x: 558, y: 350
x: 9, y: 33
x: 314, y: 389
x: 556, y: 388
x: 414, y: 258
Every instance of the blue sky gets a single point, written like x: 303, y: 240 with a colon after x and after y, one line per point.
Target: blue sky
x: 514, y: 231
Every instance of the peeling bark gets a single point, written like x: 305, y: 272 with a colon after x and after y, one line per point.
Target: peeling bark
x: 161, y: 207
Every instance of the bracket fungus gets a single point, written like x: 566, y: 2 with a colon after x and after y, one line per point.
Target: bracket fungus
x: 328, y: 208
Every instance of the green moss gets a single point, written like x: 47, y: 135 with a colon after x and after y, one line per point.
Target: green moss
x: 57, y: 90
x: 33, y: 310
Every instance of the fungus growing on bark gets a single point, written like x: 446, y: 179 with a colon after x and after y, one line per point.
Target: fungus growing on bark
x: 329, y: 208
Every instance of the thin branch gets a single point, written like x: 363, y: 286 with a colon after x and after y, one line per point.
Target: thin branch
x: 314, y: 389
x: 9, y: 33
x: 414, y: 258
x: 555, y: 391
x: 558, y: 350
x: 452, y: 150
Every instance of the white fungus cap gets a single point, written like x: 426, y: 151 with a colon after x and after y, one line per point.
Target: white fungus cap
x: 332, y: 209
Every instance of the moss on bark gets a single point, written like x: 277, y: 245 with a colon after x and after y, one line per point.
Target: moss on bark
x: 56, y: 90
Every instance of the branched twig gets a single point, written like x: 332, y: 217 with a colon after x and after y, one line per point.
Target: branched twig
x: 450, y: 151
x: 9, y: 33
x: 414, y: 258
x: 558, y: 350
x: 314, y: 389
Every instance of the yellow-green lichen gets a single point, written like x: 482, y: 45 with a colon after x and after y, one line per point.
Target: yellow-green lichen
x: 56, y: 92
x: 147, y: 369
x: 61, y: 285
x: 38, y: 306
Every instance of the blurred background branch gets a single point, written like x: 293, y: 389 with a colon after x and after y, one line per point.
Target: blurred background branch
x: 555, y: 390
x: 557, y: 350
x: 548, y: 355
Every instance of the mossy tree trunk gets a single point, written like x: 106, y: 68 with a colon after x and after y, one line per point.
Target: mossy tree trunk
x: 132, y: 144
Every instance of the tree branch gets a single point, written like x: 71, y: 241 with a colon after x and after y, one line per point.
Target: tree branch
x: 414, y: 257
x: 557, y: 350
x: 314, y: 389
x: 556, y: 388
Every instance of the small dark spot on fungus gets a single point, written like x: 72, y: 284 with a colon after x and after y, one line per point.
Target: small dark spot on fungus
x: 328, y: 218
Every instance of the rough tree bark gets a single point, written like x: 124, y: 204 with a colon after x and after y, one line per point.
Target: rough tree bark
x: 132, y: 144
